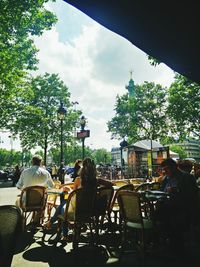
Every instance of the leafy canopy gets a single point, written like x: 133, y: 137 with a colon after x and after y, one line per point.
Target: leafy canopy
x: 20, y: 21
x: 142, y: 116
x: 36, y: 119
x: 184, y: 107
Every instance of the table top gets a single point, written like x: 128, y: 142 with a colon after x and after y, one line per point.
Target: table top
x: 156, y: 195
x: 56, y: 191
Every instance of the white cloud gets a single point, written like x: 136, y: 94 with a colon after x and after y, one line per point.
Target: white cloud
x: 95, y: 65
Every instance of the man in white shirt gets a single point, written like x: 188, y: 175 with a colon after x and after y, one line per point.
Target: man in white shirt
x: 35, y: 175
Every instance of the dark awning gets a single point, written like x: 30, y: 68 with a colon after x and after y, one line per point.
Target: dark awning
x: 166, y: 30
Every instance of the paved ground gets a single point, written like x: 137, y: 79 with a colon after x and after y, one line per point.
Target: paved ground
x: 33, y: 249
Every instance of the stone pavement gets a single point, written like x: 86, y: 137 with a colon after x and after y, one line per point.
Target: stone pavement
x: 34, y: 250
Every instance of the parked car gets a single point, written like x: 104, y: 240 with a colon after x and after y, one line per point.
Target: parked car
x: 6, y: 175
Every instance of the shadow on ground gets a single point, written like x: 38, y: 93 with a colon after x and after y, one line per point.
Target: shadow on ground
x: 34, y: 247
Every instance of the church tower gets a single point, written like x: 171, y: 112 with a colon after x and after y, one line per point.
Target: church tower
x: 130, y: 87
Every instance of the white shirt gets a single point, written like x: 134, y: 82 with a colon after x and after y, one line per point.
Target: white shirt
x: 35, y: 175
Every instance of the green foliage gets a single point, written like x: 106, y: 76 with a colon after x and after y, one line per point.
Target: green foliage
x: 102, y: 156
x: 20, y: 21
x: 142, y: 116
x: 184, y: 107
x: 9, y: 158
x: 74, y: 152
x: 36, y: 119
x: 177, y: 149
x: 153, y: 61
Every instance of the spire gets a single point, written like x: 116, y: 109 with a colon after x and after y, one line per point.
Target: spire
x: 131, y: 72
x: 131, y: 85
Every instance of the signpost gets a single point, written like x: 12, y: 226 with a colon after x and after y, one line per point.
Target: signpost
x: 83, y: 134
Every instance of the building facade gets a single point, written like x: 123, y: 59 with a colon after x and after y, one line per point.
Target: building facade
x: 192, y: 148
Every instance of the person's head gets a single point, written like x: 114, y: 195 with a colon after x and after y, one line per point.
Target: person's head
x: 88, y: 173
x: 78, y: 162
x: 169, y: 166
x: 185, y: 165
x: 36, y: 160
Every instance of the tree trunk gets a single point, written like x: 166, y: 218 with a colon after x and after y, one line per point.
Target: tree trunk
x: 45, y: 150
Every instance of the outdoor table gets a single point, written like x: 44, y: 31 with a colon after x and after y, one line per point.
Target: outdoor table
x: 150, y: 199
x: 59, y: 192
x: 156, y: 195
x: 54, y: 191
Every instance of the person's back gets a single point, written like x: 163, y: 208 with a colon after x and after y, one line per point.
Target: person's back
x: 87, y: 178
x: 35, y: 175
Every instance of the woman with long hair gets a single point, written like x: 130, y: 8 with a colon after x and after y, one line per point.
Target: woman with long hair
x: 87, y: 180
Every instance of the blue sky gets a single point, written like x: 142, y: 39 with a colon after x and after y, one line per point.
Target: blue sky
x: 95, y: 65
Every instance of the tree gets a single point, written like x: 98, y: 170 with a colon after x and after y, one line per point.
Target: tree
x: 6, y: 158
x: 20, y: 21
x: 184, y: 107
x: 36, y: 119
x: 177, y: 149
x: 102, y: 156
x: 142, y: 116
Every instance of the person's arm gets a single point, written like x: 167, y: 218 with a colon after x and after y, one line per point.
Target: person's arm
x: 77, y: 183
x: 50, y: 182
x: 20, y: 182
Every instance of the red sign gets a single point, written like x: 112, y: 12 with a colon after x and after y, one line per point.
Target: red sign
x: 83, y: 134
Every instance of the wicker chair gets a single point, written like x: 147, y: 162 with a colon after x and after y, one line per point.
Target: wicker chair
x: 131, y: 212
x: 33, y: 203
x: 120, y: 182
x: 78, y: 213
x: 10, y: 226
x: 142, y: 187
x: 114, y: 207
x: 102, y: 206
x: 154, y: 186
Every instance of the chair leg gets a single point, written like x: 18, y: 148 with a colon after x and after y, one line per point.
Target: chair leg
x: 124, y: 234
x: 93, y: 238
x: 143, y: 247
x: 76, y: 236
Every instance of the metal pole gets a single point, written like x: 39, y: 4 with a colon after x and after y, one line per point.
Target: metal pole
x: 83, y: 148
x: 151, y: 158
x: 61, y: 142
x: 121, y: 163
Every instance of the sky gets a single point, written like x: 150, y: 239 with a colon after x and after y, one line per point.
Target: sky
x: 95, y: 65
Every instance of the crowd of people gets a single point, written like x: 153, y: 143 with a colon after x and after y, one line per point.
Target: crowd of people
x: 176, y: 214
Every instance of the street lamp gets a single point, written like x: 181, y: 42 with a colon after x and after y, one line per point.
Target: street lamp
x: 122, y: 144
x: 83, y: 123
x: 61, y: 115
x: 83, y: 134
x: 75, y: 128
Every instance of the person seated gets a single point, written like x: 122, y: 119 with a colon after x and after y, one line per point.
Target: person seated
x: 185, y: 165
x: 178, y: 211
x: 35, y: 175
x: 87, y: 180
x: 77, y: 168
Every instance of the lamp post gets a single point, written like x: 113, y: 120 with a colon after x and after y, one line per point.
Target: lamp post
x: 61, y: 115
x: 83, y: 123
x: 83, y: 134
x: 75, y: 128
x: 122, y: 144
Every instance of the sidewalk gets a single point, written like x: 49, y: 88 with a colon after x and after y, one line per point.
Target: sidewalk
x: 33, y: 249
